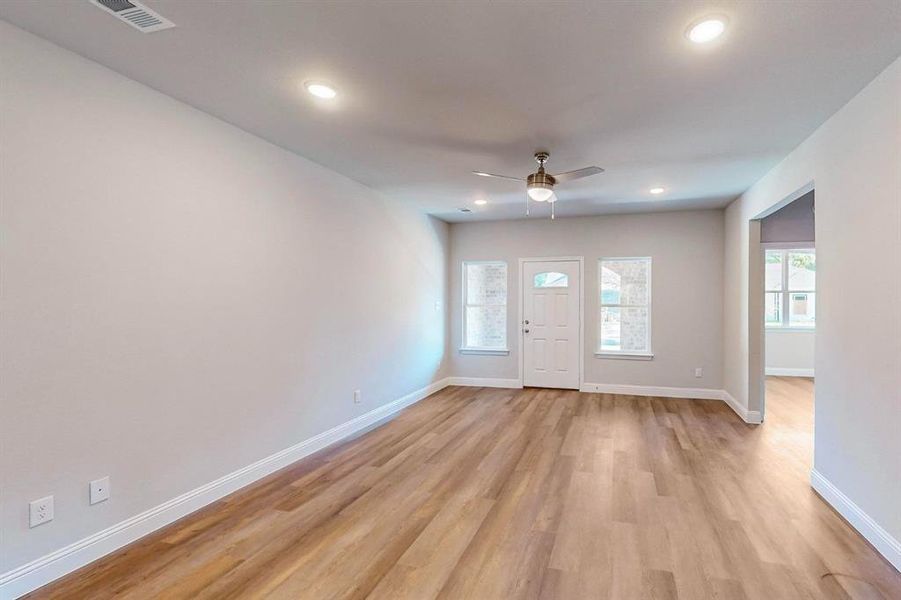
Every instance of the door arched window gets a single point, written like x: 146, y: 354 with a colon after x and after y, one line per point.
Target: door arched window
x: 551, y: 279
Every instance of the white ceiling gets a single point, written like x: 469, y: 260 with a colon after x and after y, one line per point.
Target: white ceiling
x: 430, y: 91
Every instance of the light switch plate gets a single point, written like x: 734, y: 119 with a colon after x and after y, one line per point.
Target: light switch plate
x: 358, y: 397
x: 100, y: 490
x: 40, y: 511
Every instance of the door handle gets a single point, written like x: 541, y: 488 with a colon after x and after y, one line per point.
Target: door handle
x: 525, y: 331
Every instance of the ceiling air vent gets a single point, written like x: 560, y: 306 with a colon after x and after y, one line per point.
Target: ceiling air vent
x: 135, y: 14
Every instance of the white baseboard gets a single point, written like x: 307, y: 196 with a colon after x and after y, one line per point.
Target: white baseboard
x: 884, y: 543
x: 651, y: 390
x: 782, y: 372
x: 485, y: 382
x: 45, y: 569
x: 748, y: 416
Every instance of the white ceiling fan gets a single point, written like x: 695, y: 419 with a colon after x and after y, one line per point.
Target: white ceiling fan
x: 540, y: 185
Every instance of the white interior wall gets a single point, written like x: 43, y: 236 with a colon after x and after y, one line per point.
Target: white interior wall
x: 790, y: 352
x: 687, y: 276
x: 852, y: 161
x: 181, y: 298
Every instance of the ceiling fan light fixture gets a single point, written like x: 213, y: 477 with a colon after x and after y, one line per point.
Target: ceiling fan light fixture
x: 540, y: 184
x: 540, y: 192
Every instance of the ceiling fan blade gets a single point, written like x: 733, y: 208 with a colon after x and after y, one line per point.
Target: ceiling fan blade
x: 578, y: 174
x: 484, y: 174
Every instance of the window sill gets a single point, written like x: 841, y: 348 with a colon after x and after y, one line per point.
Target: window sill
x: 624, y: 355
x: 485, y: 351
x: 791, y: 329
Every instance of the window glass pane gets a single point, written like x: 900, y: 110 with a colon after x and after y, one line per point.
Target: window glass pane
x: 551, y: 280
x: 802, y: 270
x: 609, y: 296
x: 486, y: 283
x: 634, y: 330
x: 610, y: 329
x: 486, y: 326
x: 624, y: 329
x: 486, y: 305
x: 625, y: 281
x: 773, y: 269
x: 772, y: 309
x: 610, y: 293
x: 802, y: 309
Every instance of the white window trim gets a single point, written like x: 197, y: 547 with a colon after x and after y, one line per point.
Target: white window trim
x: 485, y: 351
x: 779, y: 329
x: 785, y: 326
x: 475, y: 350
x: 625, y: 354
x: 788, y: 245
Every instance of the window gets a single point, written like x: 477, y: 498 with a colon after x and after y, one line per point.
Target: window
x: 551, y: 280
x: 485, y: 307
x: 790, y: 288
x: 624, y: 326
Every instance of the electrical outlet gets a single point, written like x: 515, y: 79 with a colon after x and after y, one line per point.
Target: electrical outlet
x: 100, y: 490
x: 699, y: 372
x: 40, y: 511
x: 437, y: 305
x: 358, y: 397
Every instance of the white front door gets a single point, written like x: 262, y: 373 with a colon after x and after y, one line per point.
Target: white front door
x: 551, y: 328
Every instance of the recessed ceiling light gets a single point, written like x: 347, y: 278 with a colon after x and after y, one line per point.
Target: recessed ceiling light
x: 706, y: 30
x: 320, y: 90
x: 481, y: 202
x: 481, y: 174
x: 656, y: 190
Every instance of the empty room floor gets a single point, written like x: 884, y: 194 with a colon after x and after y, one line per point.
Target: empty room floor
x: 496, y: 493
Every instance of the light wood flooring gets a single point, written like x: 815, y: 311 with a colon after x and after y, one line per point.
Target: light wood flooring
x: 495, y: 494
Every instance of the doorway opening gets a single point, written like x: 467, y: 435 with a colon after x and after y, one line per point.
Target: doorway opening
x: 787, y: 278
